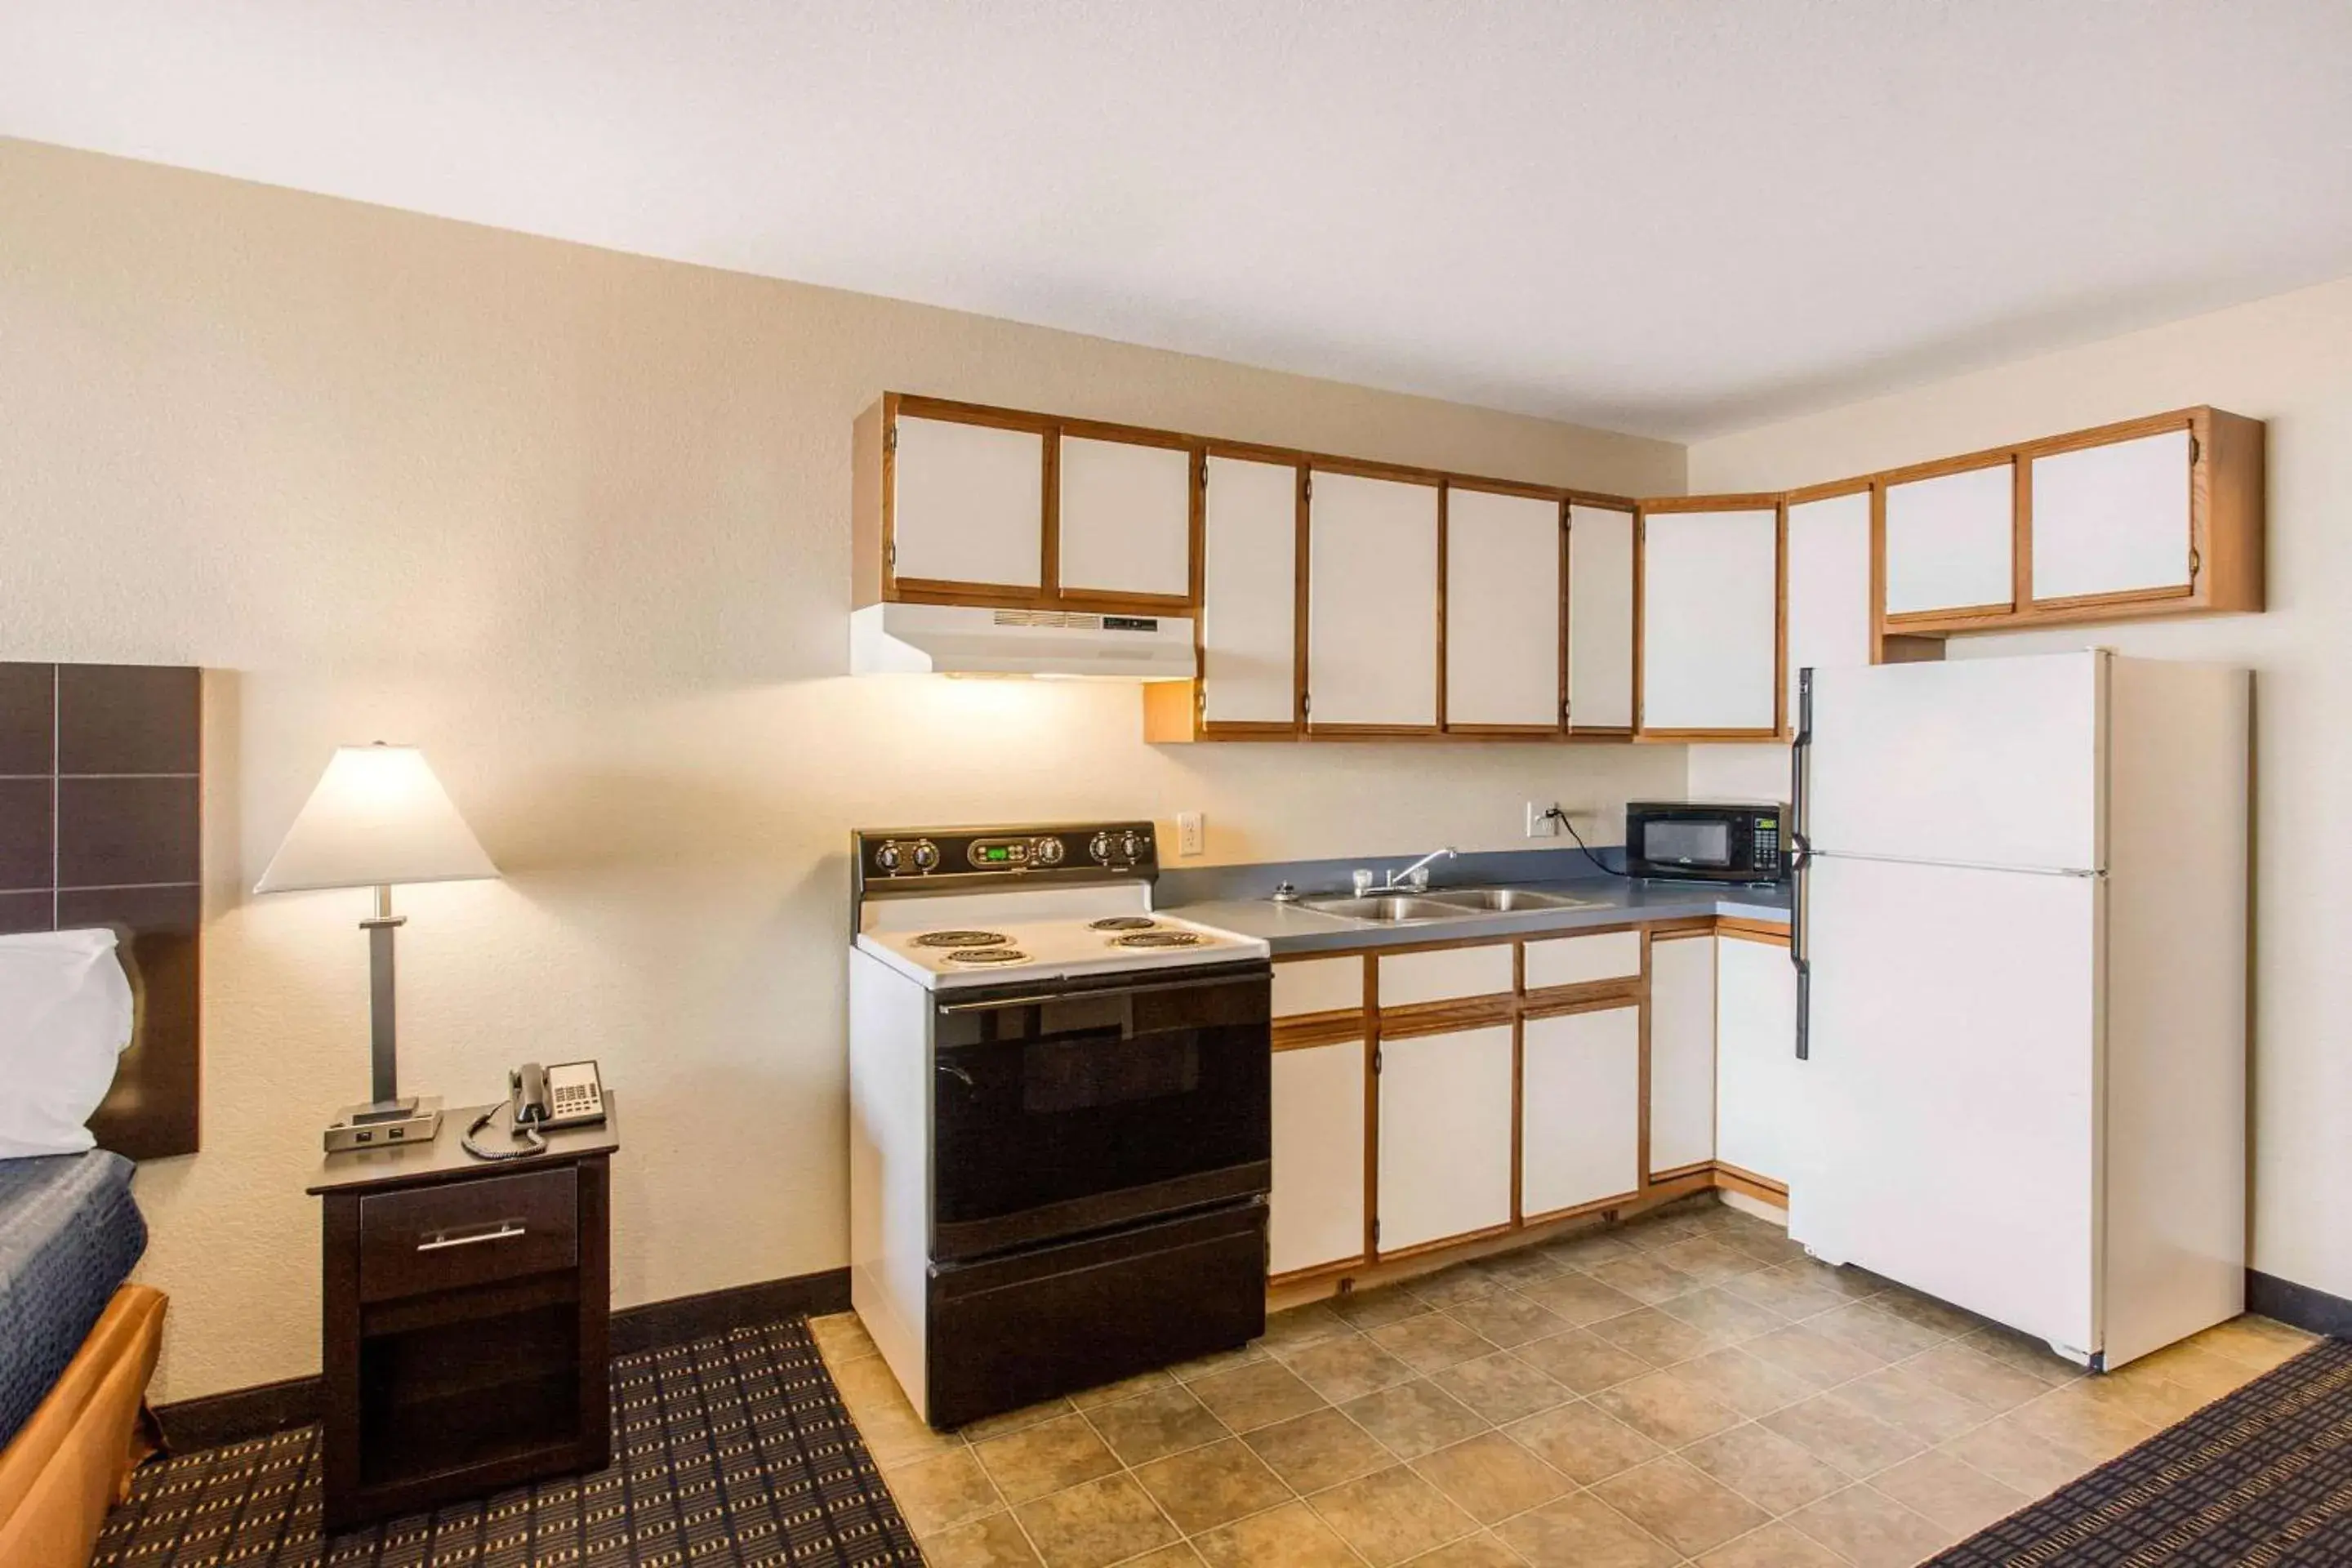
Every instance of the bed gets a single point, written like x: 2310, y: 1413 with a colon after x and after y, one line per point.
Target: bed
x: 100, y: 795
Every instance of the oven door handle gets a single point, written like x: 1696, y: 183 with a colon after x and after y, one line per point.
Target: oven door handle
x: 1052, y: 997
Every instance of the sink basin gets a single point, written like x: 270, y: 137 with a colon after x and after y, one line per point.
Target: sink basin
x: 1502, y: 900
x: 1386, y: 908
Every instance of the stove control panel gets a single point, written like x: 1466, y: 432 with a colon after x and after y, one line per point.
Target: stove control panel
x: 977, y: 857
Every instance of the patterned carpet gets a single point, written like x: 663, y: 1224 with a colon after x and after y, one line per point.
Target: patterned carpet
x: 2261, y: 1478
x: 731, y: 1451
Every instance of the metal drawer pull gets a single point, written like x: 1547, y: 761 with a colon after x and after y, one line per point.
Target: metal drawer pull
x: 507, y: 1228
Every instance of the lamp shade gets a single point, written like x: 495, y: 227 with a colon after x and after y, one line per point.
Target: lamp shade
x: 377, y: 817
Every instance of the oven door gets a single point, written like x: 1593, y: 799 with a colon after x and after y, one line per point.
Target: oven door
x: 1058, y: 1115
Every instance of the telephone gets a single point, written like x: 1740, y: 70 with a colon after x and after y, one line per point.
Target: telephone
x: 569, y: 1094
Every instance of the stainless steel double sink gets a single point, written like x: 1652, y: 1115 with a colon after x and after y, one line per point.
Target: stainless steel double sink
x: 1402, y: 908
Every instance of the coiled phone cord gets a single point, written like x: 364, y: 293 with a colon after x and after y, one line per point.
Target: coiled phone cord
x: 538, y: 1145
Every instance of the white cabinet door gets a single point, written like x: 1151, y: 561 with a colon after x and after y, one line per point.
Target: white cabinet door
x: 1316, y: 1212
x: 1711, y: 621
x: 1503, y: 559
x: 1681, y: 1052
x: 1600, y: 618
x: 1445, y: 1135
x: 1249, y: 593
x: 2112, y: 519
x: 1759, y: 1116
x: 967, y: 503
x: 1303, y: 985
x: 1951, y: 541
x: 1125, y: 517
x: 1581, y: 1109
x: 1829, y: 585
x: 1372, y: 592
x: 1445, y: 974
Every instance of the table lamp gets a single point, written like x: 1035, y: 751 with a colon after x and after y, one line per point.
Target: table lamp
x: 378, y: 818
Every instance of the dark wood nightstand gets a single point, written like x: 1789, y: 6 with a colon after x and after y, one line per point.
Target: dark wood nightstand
x: 466, y: 1307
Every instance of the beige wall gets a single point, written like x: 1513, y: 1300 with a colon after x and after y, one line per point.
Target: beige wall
x: 577, y: 524
x: 2288, y: 361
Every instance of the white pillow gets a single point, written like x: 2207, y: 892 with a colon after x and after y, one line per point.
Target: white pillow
x: 65, y: 1016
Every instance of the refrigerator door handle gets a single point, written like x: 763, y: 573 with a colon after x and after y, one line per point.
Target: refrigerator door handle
x: 1800, y: 854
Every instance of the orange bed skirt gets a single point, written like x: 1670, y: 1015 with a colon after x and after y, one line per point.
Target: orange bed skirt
x: 71, y: 1461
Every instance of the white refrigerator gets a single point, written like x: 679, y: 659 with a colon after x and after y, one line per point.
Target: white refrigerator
x: 2021, y: 934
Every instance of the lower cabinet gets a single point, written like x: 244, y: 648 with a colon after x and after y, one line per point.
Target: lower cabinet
x: 1317, y: 1210
x: 1758, y: 1079
x: 1579, y: 1109
x: 1445, y: 1136
x: 1682, y: 1051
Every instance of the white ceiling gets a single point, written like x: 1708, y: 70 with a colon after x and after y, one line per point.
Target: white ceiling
x: 1660, y: 215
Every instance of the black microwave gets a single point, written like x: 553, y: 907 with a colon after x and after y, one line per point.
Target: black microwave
x: 1705, y: 842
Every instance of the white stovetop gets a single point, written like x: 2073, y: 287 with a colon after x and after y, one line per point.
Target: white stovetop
x: 1053, y: 931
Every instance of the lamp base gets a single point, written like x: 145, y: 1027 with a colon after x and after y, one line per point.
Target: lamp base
x: 416, y: 1119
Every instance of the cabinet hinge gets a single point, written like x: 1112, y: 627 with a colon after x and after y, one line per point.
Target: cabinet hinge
x: 890, y: 439
x: 1376, y: 1061
x: 1306, y: 703
x: 2194, y: 448
x: 2196, y: 563
x: 1205, y: 473
x: 1376, y: 1231
x: 1306, y: 484
x: 890, y: 554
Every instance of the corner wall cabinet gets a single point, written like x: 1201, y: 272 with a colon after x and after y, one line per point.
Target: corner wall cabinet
x: 1709, y: 572
x: 1339, y: 599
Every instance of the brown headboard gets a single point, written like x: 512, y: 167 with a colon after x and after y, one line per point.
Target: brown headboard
x: 101, y: 823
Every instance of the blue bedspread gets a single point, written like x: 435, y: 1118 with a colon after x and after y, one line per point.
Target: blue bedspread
x: 68, y: 1236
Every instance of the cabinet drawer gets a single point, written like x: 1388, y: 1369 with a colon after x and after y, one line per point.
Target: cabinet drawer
x: 1445, y: 974
x: 467, y: 1233
x: 1581, y: 960
x: 1318, y: 986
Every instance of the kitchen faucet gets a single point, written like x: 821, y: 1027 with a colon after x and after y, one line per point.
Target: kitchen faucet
x: 1415, y: 877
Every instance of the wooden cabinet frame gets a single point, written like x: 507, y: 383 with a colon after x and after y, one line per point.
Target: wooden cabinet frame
x: 874, y: 549
x: 1777, y: 504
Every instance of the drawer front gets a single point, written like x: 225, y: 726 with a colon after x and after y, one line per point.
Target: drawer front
x: 1582, y: 960
x: 1318, y: 986
x: 1446, y: 975
x: 467, y: 1233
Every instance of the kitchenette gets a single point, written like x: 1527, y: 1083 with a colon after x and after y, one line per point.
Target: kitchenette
x: 1961, y: 1003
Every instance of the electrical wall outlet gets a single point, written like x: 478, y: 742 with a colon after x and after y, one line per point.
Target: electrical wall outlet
x: 1543, y: 821
x: 1191, y: 834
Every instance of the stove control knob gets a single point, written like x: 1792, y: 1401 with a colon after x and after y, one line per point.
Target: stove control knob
x: 1100, y: 847
x: 1130, y: 848
x: 1048, y: 852
x: 887, y: 858
x: 927, y: 854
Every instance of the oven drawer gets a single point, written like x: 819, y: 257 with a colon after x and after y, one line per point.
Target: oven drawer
x: 467, y: 1233
x: 1014, y: 1331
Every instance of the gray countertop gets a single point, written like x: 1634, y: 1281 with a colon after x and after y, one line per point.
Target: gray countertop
x: 1292, y: 929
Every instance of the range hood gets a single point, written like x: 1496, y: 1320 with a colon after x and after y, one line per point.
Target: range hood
x: 972, y: 639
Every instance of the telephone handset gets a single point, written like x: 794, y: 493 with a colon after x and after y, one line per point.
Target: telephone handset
x: 569, y: 1094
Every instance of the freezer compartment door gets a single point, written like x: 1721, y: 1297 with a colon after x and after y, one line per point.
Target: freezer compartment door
x: 1984, y: 761
x: 1952, y: 1087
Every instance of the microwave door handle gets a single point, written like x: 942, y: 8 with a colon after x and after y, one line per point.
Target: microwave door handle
x: 1800, y: 855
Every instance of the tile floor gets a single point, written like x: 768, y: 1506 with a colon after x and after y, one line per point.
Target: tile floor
x: 1686, y: 1388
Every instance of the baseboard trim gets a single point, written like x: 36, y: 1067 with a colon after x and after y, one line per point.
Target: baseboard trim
x: 240, y: 1414
x: 2311, y: 1310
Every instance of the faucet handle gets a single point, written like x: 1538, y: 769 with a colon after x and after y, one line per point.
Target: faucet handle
x: 1364, y: 881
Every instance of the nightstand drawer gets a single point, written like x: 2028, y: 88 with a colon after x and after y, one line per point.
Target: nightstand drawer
x: 467, y: 1233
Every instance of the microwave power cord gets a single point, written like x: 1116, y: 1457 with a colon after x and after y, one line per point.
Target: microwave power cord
x: 1554, y: 814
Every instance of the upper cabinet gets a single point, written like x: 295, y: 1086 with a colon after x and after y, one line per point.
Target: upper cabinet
x: 1125, y: 518
x: 965, y: 505
x: 1600, y: 620
x: 1372, y: 604
x: 1249, y: 595
x: 1504, y: 648
x: 1709, y: 571
x: 1950, y: 536
x: 2152, y: 517
x: 1830, y: 615
x: 960, y: 504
